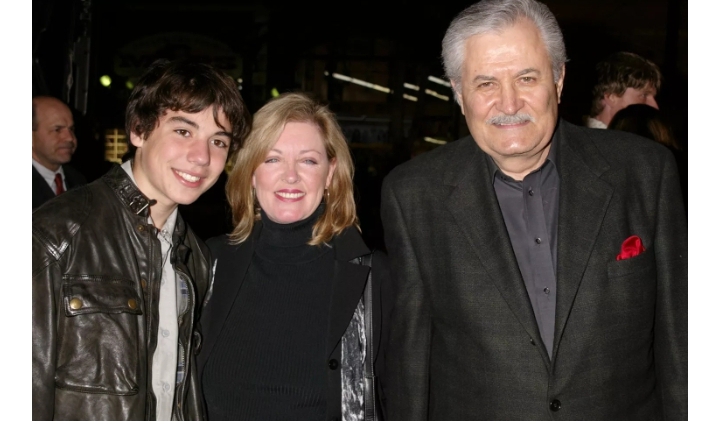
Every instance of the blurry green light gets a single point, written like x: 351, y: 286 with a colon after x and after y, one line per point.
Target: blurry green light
x: 105, y: 80
x: 274, y: 92
x: 129, y: 84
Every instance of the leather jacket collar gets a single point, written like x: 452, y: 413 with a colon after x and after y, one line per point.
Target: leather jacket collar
x: 137, y: 203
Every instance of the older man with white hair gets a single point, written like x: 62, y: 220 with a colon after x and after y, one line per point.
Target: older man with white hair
x: 540, y: 267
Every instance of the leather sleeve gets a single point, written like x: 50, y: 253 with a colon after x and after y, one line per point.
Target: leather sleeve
x: 46, y: 279
x: 405, y: 383
x: 195, y: 402
x: 671, y: 313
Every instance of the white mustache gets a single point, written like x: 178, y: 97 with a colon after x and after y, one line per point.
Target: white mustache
x: 510, y: 119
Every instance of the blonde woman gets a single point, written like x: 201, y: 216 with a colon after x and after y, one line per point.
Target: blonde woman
x: 291, y: 330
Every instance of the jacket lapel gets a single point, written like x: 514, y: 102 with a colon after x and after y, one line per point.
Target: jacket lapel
x: 348, y: 284
x: 231, y: 266
x: 473, y: 204
x: 41, y: 190
x: 584, y: 199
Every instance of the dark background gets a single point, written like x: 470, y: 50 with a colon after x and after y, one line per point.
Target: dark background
x: 289, y: 45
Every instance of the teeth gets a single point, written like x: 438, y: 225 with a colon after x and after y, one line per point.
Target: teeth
x: 287, y: 195
x: 188, y: 177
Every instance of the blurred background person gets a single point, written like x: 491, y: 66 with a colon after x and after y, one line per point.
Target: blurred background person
x: 53, y: 145
x: 286, y: 331
x: 649, y: 122
x: 623, y: 79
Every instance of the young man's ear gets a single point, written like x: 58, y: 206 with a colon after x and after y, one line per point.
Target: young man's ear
x: 136, y: 139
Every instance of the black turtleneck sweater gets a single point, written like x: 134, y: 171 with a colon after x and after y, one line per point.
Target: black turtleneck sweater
x: 269, y: 362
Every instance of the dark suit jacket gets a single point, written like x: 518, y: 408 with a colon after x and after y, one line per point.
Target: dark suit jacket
x: 464, y: 343
x: 41, y: 191
x: 348, y: 286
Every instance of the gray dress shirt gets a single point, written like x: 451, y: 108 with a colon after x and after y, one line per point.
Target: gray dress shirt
x: 530, y: 210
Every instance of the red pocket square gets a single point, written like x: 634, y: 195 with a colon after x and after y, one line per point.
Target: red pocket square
x: 631, y: 247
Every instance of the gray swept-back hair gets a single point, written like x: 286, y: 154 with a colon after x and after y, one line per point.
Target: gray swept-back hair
x: 494, y: 15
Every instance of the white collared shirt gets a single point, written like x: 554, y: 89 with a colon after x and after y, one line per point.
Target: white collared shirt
x: 49, y: 175
x: 165, y: 357
x: 594, y: 123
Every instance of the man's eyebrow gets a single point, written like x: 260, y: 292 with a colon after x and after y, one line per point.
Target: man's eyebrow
x: 483, y: 78
x: 184, y: 120
x: 491, y: 78
x: 527, y: 71
x: 195, y: 125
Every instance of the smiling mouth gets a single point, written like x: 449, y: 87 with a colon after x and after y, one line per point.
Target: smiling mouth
x: 188, y: 177
x: 287, y: 195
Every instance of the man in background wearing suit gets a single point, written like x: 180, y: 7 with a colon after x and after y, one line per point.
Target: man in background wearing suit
x: 53, y: 144
x: 540, y: 267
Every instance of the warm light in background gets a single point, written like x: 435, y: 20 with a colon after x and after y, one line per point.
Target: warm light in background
x: 387, y: 90
x: 436, y: 94
x: 105, y: 81
x: 115, y: 144
x: 361, y: 82
x: 274, y: 92
x: 436, y: 141
x: 129, y: 84
x: 439, y: 81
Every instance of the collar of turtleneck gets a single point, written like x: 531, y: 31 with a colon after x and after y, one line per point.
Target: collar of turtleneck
x: 288, y: 243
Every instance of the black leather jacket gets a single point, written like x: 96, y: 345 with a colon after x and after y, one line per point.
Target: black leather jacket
x: 96, y: 280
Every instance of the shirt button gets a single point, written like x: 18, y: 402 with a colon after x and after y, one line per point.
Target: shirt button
x: 166, y: 386
x: 531, y: 192
x: 333, y: 364
x: 165, y: 333
x: 546, y: 291
x: 555, y: 405
x: 538, y: 240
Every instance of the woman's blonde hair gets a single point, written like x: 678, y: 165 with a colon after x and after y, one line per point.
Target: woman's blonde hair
x: 268, y: 124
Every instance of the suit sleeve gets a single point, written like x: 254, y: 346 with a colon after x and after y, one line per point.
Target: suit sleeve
x: 46, y: 277
x: 407, y: 353
x: 671, y: 314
